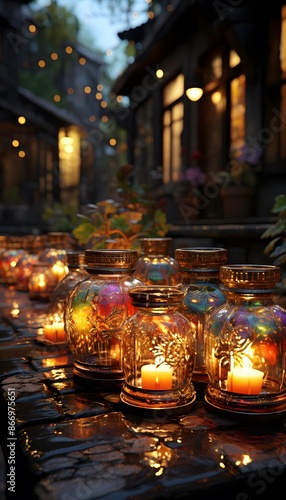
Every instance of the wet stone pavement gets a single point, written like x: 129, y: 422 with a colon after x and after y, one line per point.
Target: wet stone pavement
x: 78, y: 443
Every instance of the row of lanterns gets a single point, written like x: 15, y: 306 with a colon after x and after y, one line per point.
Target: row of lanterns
x: 162, y: 329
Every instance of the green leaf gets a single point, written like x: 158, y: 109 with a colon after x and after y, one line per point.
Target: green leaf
x: 121, y: 223
x: 279, y: 250
x: 83, y: 232
x: 279, y: 204
x: 279, y: 227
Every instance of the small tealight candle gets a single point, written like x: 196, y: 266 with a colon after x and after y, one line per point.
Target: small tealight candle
x: 156, y: 378
x: 55, y: 332
x: 245, y: 381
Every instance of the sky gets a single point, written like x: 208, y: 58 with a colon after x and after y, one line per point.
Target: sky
x: 102, y: 28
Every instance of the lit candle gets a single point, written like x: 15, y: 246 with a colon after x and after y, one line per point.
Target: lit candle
x: 55, y: 332
x: 60, y: 331
x: 245, y: 381
x: 59, y: 270
x: 156, y: 378
x: 49, y: 332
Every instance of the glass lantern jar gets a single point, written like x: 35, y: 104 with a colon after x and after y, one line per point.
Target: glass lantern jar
x: 54, y: 329
x: 246, y: 344
x: 95, y: 312
x: 9, y: 257
x: 76, y: 273
x: 155, y: 266
x: 158, y: 352
x: 200, y: 268
x: 33, y: 246
x: 41, y: 282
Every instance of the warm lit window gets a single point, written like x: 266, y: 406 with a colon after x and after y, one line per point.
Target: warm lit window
x: 234, y: 59
x: 237, y: 113
x: 275, y: 79
x: 172, y: 145
x: 173, y: 90
x: 172, y: 128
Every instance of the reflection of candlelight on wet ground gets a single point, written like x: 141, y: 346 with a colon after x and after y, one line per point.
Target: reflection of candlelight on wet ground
x: 59, y: 361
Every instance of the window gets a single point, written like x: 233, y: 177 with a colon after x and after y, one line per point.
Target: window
x: 172, y: 128
x: 275, y: 77
x: 237, y: 113
x: 143, y: 145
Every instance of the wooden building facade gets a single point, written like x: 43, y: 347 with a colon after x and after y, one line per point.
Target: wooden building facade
x: 236, y: 53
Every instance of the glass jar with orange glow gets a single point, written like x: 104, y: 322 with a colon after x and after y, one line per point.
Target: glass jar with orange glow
x: 158, y: 352
x: 246, y: 344
x: 95, y: 313
x: 199, y: 268
x: 155, y: 265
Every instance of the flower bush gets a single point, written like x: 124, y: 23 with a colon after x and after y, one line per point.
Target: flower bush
x: 243, y: 165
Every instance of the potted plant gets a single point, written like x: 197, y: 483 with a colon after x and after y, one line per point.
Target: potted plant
x: 122, y: 222
x: 237, y: 195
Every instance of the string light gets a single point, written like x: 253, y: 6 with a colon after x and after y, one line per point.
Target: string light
x: 15, y: 143
x: 22, y: 120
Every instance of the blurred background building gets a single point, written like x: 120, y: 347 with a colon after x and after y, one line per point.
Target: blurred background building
x: 64, y: 132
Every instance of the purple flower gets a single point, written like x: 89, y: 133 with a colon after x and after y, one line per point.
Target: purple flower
x: 193, y: 175
x: 249, y: 154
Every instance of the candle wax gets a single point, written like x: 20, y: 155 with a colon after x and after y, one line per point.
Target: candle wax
x: 156, y: 378
x: 245, y: 381
x: 55, y: 332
